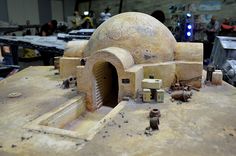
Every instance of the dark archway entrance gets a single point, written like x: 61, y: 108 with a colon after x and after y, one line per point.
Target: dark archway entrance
x: 106, y: 84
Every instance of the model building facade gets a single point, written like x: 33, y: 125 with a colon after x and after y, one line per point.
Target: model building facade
x: 122, y: 52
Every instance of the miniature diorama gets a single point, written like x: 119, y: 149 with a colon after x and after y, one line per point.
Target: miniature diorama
x: 125, y: 55
x: 131, y: 89
x: 130, y: 56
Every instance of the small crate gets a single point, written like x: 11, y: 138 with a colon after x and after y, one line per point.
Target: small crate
x: 217, y: 77
x: 160, y: 95
x: 146, y: 95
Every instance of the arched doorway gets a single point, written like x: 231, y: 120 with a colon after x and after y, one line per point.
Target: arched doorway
x: 106, y: 84
x: 90, y: 78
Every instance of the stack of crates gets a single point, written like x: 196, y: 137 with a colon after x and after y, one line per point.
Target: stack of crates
x: 152, y: 90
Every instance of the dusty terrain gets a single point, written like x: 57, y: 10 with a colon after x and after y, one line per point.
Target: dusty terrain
x: 204, y: 126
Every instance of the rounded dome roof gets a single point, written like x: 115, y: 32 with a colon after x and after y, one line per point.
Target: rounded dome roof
x: 147, y: 39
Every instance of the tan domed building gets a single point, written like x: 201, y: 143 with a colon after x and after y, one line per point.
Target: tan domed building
x: 122, y: 52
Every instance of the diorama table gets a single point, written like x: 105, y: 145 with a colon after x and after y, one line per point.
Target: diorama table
x: 206, y: 125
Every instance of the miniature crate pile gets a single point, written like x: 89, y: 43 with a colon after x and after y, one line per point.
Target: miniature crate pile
x: 152, y: 90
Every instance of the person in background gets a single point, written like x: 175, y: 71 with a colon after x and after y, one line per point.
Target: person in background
x: 227, y: 29
x: 92, y: 16
x: 105, y: 15
x: 76, y: 20
x: 84, y: 21
x: 212, y: 29
x: 87, y: 20
x: 159, y: 15
x: 27, y: 30
x: 48, y: 28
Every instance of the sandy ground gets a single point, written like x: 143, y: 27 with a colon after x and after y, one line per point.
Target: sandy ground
x: 204, y: 126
